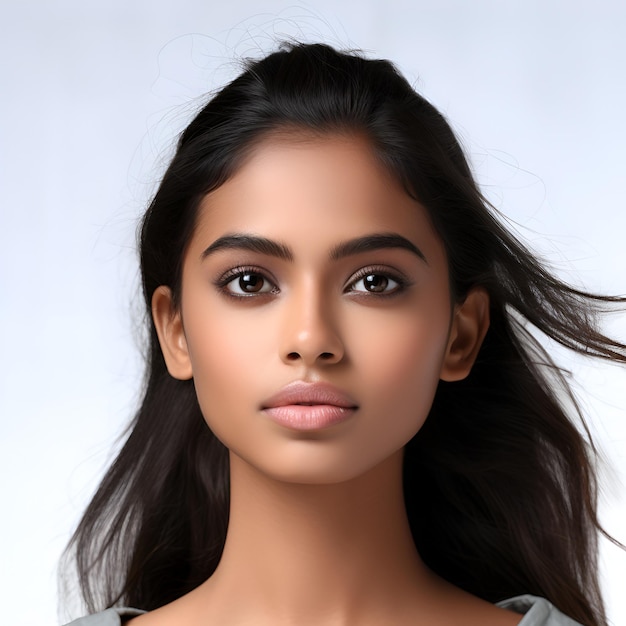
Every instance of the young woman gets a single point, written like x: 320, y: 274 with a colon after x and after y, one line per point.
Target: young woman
x: 346, y: 417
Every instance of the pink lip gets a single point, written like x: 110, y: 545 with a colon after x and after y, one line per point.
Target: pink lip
x: 309, y: 406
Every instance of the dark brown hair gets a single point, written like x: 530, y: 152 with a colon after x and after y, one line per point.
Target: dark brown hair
x: 500, y: 484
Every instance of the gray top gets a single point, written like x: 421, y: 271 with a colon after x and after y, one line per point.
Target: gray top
x: 536, y: 611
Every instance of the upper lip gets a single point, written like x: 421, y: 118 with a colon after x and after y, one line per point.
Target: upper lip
x: 300, y: 392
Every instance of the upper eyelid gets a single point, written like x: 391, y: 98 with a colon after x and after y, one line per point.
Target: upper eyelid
x: 395, y: 274
x: 225, y: 277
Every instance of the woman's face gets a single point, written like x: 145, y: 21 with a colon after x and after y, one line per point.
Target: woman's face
x: 315, y: 311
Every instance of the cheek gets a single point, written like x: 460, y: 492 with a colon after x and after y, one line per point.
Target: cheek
x: 404, y: 367
x: 216, y: 366
x: 415, y: 361
x: 228, y: 355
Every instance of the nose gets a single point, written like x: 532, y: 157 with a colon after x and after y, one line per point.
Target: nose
x: 310, y: 335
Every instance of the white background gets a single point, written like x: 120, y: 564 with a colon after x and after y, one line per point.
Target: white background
x: 92, y: 96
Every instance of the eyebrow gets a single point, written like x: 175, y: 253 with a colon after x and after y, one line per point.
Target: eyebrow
x: 251, y: 243
x: 375, y: 242
x: 269, y: 247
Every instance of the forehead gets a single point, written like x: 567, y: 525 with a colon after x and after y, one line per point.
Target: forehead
x: 308, y: 188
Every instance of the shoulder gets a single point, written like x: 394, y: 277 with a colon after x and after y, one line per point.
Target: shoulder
x: 537, y: 611
x: 110, y: 617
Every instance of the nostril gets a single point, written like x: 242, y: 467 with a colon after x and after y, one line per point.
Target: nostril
x: 322, y: 357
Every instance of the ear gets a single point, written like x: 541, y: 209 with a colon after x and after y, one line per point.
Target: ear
x: 468, y: 329
x: 169, y: 327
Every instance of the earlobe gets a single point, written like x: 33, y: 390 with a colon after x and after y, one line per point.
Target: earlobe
x: 169, y: 327
x: 469, y: 327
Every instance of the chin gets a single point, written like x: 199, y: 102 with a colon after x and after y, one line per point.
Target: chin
x: 306, y: 463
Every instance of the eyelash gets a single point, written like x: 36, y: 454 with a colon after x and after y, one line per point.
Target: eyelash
x: 238, y: 272
x: 401, y: 281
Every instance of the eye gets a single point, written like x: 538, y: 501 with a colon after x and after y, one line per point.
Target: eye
x: 246, y: 282
x: 375, y: 282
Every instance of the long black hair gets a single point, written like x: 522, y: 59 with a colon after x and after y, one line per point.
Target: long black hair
x: 500, y: 484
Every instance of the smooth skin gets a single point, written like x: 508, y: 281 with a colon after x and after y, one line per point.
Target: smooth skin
x: 312, y: 264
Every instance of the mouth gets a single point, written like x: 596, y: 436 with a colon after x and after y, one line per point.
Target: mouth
x: 309, y: 406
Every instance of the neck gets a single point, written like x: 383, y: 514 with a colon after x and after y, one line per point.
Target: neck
x: 304, y: 552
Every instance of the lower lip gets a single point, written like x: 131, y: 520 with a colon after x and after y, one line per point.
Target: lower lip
x: 305, y: 417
